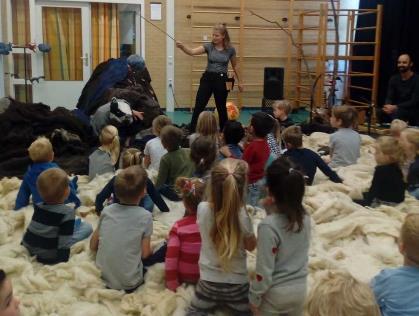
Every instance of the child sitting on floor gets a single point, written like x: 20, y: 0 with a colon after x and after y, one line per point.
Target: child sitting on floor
x: 305, y: 158
x: 344, y: 144
x: 387, y: 185
x: 283, y: 242
x: 42, y: 155
x: 203, y: 155
x: 396, y: 290
x: 409, y: 140
x: 339, y: 293
x: 397, y: 127
x: 184, y: 244
x: 154, y: 149
x: 206, y: 126
x: 104, y: 158
x: 281, y: 109
x: 256, y: 154
x: 131, y: 157
x: 53, y: 228
x: 226, y: 232
x: 176, y: 163
x: 233, y: 133
x: 9, y: 304
x: 122, y: 238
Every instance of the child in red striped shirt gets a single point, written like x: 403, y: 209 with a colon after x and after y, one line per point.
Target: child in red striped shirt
x: 184, y: 243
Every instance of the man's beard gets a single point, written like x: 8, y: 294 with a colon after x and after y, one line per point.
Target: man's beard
x: 403, y: 69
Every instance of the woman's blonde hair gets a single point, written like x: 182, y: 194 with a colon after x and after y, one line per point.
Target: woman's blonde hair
x: 227, y: 189
x: 159, y: 122
x: 390, y: 147
x: 207, y: 124
x: 192, y: 191
x: 222, y: 29
x: 109, y: 142
x: 412, y: 136
x: 339, y: 293
x: 131, y: 157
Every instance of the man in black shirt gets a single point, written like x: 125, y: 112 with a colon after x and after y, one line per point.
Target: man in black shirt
x: 402, y: 99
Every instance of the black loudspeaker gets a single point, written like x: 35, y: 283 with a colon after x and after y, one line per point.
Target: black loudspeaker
x: 273, y: 83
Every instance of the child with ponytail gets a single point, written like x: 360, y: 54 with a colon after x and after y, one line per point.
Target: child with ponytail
x: 104, y: 159
x: 132, y: 157
x: 184, y: 242
x: 282, y: 245
x: 226, y: 232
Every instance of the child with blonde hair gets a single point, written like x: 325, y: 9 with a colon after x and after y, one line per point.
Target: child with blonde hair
x: 42, y: 155
x: 226, y: 232
x: 339, y: 293
x: 409, y: 139
x: 387, y: 185
x: 396, y: 127
x: 282, y: 245
x: 131, y: 157
x: 184, y: 244
x: 9, y: 304
x: 206, y: 126
x: 281, y: 111
x: 396, y: 290
x: 344, y: 144
x: 104, y: 158
x: 154, y: 149
x: 54, y: 228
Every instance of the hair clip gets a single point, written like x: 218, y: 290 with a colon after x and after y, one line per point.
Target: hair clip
x: 290, y: 170
x: 189, y: 187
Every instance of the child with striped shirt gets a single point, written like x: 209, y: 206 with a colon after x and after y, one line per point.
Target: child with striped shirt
x: 54, y: 227
x: 184, y: 242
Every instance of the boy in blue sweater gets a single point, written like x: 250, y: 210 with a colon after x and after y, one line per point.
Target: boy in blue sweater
x: 42, y: 155
x: 305, y: 158
x: 397, y: 290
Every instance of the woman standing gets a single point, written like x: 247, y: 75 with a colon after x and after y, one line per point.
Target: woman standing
x: 213, y: 80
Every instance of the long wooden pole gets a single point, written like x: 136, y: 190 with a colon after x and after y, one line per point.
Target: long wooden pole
x: 289, y: 50
x: 376, y: 69
x: 241, y: 50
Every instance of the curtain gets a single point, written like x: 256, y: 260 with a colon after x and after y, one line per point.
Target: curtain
x: 20, y: 22
x: 399, y: 35
x: 105, y: 32
x: 61, y: 29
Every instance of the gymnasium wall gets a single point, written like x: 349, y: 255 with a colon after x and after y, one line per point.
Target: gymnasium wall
x: 260, y: 47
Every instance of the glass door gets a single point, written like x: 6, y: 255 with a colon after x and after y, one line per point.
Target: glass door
x: 65, y: 69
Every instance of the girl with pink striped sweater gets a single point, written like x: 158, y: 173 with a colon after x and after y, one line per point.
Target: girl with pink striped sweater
x: 184, y: 243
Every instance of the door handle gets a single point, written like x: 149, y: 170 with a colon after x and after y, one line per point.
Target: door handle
x: 85, y: 59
